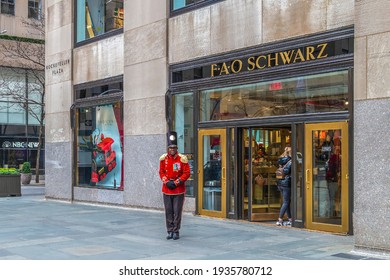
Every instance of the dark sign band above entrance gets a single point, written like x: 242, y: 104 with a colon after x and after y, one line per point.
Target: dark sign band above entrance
x: 263, y: 60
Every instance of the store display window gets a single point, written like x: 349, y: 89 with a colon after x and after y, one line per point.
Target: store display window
x: 97, y: 17
x: 327, y: 92
x: 100, y: 146
x: 98, y: 123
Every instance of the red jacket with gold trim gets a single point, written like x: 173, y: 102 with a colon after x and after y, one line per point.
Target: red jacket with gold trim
x: 173, y: 168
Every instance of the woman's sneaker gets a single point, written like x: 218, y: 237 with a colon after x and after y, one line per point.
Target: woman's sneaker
x: 288, y: 223
x: 279, y: 223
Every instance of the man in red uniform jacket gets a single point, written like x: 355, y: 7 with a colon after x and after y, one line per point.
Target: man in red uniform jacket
x: 174, y: 171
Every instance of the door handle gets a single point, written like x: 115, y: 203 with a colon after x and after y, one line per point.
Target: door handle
x: 307, y: 178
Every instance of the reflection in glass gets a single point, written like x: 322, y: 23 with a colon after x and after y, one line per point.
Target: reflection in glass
x: 327, y: 155
x: 96, y: 17
x: 34, y: 9
x: 232, y: 172
x: 299, y: 191
x: 15, y: 83
x: 212, y: 170
x: 183, y: 124
x: 300, y: 95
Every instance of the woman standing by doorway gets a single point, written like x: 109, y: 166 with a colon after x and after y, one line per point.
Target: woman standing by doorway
x: 284, y: 186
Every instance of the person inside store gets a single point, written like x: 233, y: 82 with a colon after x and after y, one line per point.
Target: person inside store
x: 326, y: 148
x: 174, y: 171
x: 284, y: 185
x: 332, y: 177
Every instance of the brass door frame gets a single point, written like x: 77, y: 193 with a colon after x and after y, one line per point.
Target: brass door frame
x: 309, y: 128
x: 222, y: 134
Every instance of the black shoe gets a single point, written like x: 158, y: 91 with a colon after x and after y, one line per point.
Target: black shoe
x: 170, y: 235
x: 175, y: 236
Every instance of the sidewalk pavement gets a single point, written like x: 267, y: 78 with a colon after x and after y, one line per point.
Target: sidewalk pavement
x: 34, y: 228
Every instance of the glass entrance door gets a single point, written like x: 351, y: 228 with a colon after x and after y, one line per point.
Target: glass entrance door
x: 326, y: 176
x: 261, y: 149
x: 212, y: 172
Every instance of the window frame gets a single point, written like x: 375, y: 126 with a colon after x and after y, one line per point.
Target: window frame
x: 190, y: 7
x: 8, y: 3
x: 36, y: 8
x: 96, y: 38
x: 286, y: 101
x: 27, y: 88
x: 105, y: 97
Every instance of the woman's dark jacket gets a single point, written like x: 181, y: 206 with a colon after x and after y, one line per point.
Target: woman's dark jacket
x: 286, y: 162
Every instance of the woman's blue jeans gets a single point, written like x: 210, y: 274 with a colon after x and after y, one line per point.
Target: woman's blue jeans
x: 286, y: 193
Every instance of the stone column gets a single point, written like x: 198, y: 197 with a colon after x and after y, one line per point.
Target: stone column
x: 372, y: 125
x: 145, y: 85
x: 58, y: 151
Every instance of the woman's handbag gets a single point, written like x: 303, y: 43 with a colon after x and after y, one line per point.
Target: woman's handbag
x: 279, y: 172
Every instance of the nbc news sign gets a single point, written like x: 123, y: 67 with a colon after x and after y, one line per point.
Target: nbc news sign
x: 19, y: 144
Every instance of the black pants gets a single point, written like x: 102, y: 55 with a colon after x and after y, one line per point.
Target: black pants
x: 173, y: 209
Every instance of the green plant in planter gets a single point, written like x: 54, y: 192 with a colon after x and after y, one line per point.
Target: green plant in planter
x: 25, y: 173
x: 9, y: 171
x: 10, y: 182
x: 26, y: 168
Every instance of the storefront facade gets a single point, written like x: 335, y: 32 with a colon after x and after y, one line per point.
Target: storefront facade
x: 251, y: 105
x: 236, y: 93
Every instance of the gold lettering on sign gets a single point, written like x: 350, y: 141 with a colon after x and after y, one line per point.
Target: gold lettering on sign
x: 224, y: 69
x: 309, y: 53
x: 299, y: 56
x: 213, y: 69
x: 236, y: 66
x: 286, y: 56
x: 323, y: 47
x: 251, y: 62
x: 263, y: 61
x: 258, y: 62
x: 270, y: 58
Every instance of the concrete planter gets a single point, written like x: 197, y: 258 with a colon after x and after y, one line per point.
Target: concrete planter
x: 10, y: 185
x: 26, y: 178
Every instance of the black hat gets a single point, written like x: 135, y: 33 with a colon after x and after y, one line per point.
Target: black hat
x: 172, y: 139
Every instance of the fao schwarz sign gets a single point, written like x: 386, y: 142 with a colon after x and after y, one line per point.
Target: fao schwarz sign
x: 262, y: 61
x: 19, y: 144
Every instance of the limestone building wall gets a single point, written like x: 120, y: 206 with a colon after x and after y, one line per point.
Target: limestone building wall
x: 235, y: 24
x: 59, y: 88
x: 145, y: 85
x: 371, y: 125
